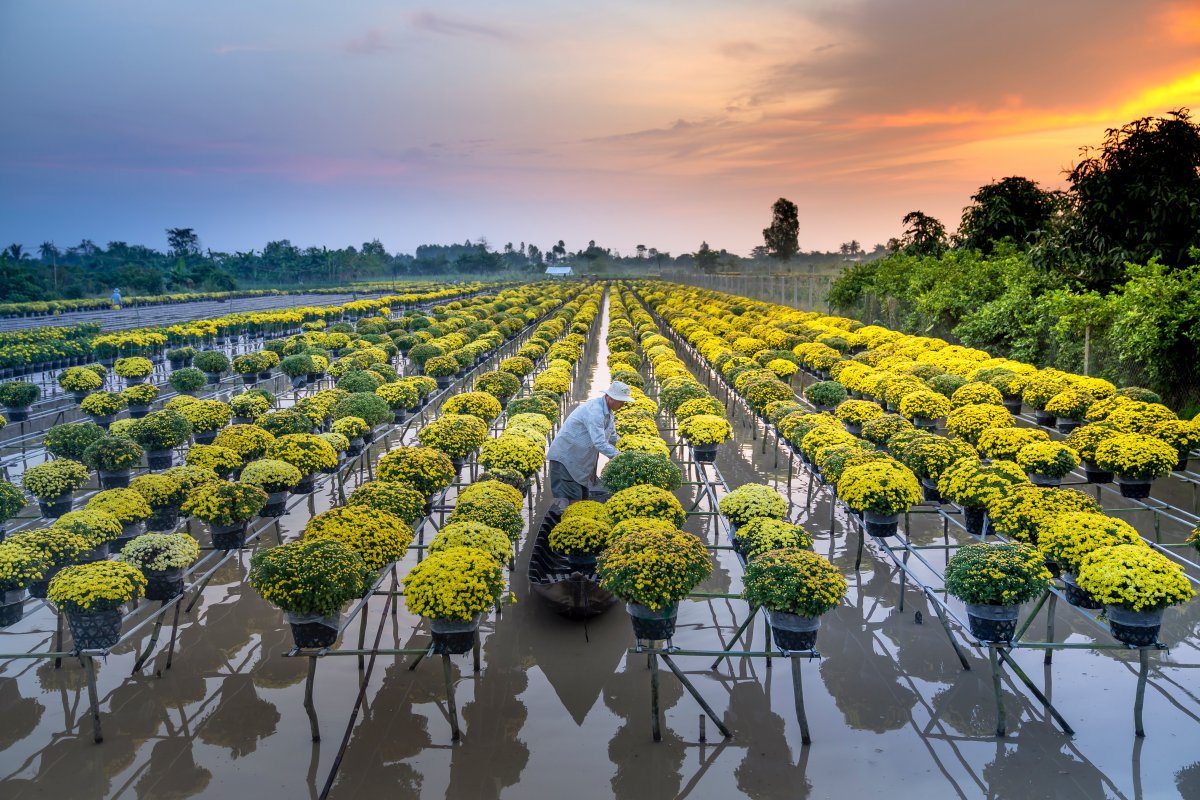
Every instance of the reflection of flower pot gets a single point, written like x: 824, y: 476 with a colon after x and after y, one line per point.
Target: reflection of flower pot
x: 793, y: 631
x: 314, y: 631
x: 163, y: 584
x: 1044, y: 418
x: 1075, y: 595
x: 55, y: 507
x: 16, y: 414
x: 930, y: 491
x: 705, y: 453
x: 1136, y: 628
x: 1134, y: 488
x: 137, y: 412
x: 453, y: 636
x: 204, y: 437
x: 1066, y: 424
x: 881, y: 524
x: 1095, y: 474
x: 228, y: 537
x: 305, y: 486
x: 652, y: 625
x: 163, y: 519
x: 276, y: 504
x: 115, y: 478
x: 12, y: 606
x: 99, y: 630
x: 991, y: 623
x: 160, y: 459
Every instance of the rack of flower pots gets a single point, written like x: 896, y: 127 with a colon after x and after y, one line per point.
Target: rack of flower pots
x: 983, y: 428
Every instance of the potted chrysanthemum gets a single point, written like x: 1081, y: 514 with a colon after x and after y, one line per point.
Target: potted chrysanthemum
x: 1136, y: 460
x: 705, y: 433
x: 994, y: 580
x: 226, y: 507
x: 796, y: 587
x: 880, y: 491
x: 92, y: 596
x: 452, y: 589
x: 652, y: 570
x: 162, y: 558
x: 1136, y: 584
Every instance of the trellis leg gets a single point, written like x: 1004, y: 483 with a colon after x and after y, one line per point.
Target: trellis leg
x: 1140, y: 697
x: 798, y: 691
x: 93, y: 698
x: 1001, y: 725
x: 58, y: 637
x: 687, y: 684
x: 475, y: 650
x: 1049, y: 659
x: 174, y: 633
x: 736, y: 636
x: 145, y: 654
x: 308, y: 699
x: 1032, y: 687
x: 455, y: 733
x: 655, y: 730
x: 941, y: 615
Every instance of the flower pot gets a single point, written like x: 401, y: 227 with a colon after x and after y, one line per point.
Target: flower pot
x: 276, y: 504
x: 163, y: 519
x: 99, y: 630
x: 1134, y: 488
x: 40, y: 587
x: 705, y: 453
x: 444, y: 382
x: 103, y: 421
x: 79, y: 397
x: 175, y: 365
x: 56, y: 507
x: 1095, y: 474
x: 311, y: 630
x: 399, y: 416
x: 97, y: 553
x: 453, y: 636
x: 313, y: 377
x: 228, y: 537
x: 305, y: 486
x: 1013, y: 404
x: 1183, y: 463
x: 163, y: 584
x: 1038, y: 479
x: 16, y: 414
x: 924, y: 423
x: 990, y: 623
x: 356, y: 447
x: 299, y: 382
x: 584, y: 563
x: 137, y: 412
x: 881, y: 525
x: 250, y: 380
x: 265, y: 375
x: 852, y: 428
x: 1044, y: 418
x: 204, y: 437
x: 1066, y: 424
x: 214, y: 378
x: 793, y: 631
x: 1075, y: 595
x: 368, y: 435
x: 457, y: 463
x: 135, y: 381
x: 160, y: 459
x: 243, y: 420
x: 12, y: 607
x: 115, y: 478
x: 128, y: 534
x: 930, y: 491
x: 1134, y: 628
x: 651, y: 625
x: 973, y: 519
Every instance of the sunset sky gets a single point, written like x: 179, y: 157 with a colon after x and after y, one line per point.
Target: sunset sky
x: 661, y: 122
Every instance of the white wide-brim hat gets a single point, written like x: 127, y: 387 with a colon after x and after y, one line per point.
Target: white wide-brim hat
x: 619, y: 391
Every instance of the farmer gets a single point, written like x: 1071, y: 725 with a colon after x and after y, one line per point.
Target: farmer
x: 575, y: 451
x: 116, y: 299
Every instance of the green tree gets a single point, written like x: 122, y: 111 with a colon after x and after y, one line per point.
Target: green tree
x: 706, y: 258
x: 1136, y: 197
x: 923, y: 235
x: 183, y: 242
x: 1014, y: 208
x: 782, y: 238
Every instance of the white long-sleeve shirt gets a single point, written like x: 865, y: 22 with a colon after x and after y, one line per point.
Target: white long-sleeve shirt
x: 589, y: 430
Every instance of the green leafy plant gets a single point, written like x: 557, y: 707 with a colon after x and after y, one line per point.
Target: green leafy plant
x: 996, y: 574
x: 71, y: 439
x: 794, y: 581
x: 112, y: 453
x: 652, y: 567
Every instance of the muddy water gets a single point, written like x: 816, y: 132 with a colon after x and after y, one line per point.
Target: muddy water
x: 560, y: 709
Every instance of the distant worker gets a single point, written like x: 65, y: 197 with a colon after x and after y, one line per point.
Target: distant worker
x: 589, y: 431
x: 116, y: 299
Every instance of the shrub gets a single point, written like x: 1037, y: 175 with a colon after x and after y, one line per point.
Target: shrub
x: 248, y: 441
x: 102, y: 404
x: 20, y: 566
x: 310, y: 577
x: 79, y: 379
x: 97, y: 586
x: 12, y: 500
x: 512, y: 451
x: 763, y: 534
x: 126, y: 505
x: 456, y: 435
x: 211, y: 361
x: 135, y: 367
x: 97, y: 527
x: 304, y: 451
x: 282, y: 423
x: 188, y: 379
x: 478, y: 404
x: 490, y: 540
x: 1005, y: 443
x: 494, y: 511
x: 394, y: 498
x: 751, y: 501
x: 705, y: 429
x: 160, y: 491
x: 19, y: 394
x: 646, y: 501
x: 271, y: 475
x: 71, y: 439
x: 1072, y: 536
x: 579, y: 536
x: 250, y: 404
x: 161, y: 430
x: 220, y: 460
x: 652, y: 567
x: 161, y: 551
x: 112, y: 453
x: 56, y: 546
x: 366, y: 406
x: 996, y: 574
x: 456, y: 583
x: 142, y: 394
x: 880, y: 487
x: 225, y: 504
x: 633, y: 468
x: 424, y: 469
x: 794, y: 581
x: 1134, y: 577
x: 1048, y: 458
x: 53, y: 479
x: 1133, y: 455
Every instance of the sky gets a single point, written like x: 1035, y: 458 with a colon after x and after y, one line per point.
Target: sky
x: 627, y: 122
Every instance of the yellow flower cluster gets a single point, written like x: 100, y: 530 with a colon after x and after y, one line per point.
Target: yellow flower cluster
x: 96, y: 586
x: 752, y: 501
x: 652, y: 567
x: 881, y: 487
x: 379, y: 537
x: 456, y: 583
x: 645, y: 500
x: 1134, y: 577
x: 705, y: 429
x: 1134, y: 455
x: 1072, y: 536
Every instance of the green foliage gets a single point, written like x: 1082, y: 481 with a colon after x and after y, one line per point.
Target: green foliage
x: 1013, y: 208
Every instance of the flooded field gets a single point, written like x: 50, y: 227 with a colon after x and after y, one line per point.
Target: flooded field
x: 561, y: 708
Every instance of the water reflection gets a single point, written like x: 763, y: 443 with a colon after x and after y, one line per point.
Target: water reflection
x: 766, y: 771
x: 20, y: 715
x: 172, y: 772
x: 645, y: 768
x: 866, y: 686
x: 240, y: 719
x: 1036, y: 765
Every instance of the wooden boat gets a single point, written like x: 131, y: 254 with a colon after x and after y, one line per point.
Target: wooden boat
x: 569, y: 591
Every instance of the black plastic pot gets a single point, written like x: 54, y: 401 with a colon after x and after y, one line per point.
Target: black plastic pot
x: 96, y: 631
x: 651, y: 625
x: 793, y: 631
x: 705, y: 453
x: 990, y: 623
x: 163, y: 585
x: 314, y: 634
x: 1134, y: 489
x: 228, y: 537
x: 452, y: 636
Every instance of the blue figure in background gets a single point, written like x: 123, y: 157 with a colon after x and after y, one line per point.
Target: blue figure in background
x: 116, y: 299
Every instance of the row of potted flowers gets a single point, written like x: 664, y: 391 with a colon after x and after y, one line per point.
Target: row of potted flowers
x: 875, y: 483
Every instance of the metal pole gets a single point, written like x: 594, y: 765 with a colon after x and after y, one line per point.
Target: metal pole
x: 1000, y: 721
x: 687, y: 684
x: 655, y: 730
x: 1140, y: 697
x: 455, y: 733
x: 308, y: 699
x: 93, y: 698
x: 798, y: 691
